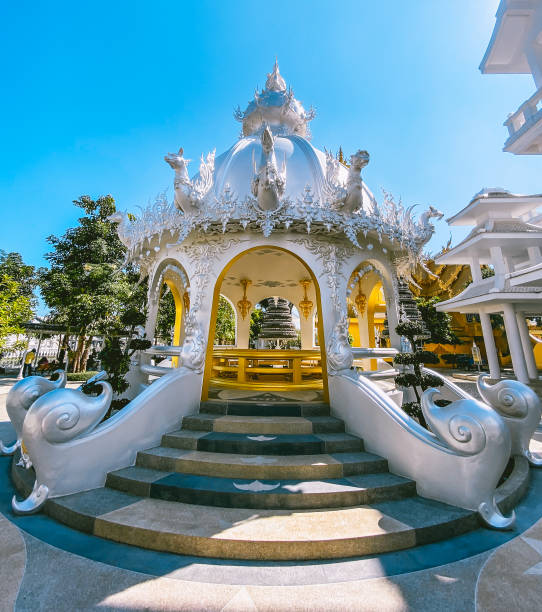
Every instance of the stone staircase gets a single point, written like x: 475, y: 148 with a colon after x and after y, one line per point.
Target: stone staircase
x: 262, y: 481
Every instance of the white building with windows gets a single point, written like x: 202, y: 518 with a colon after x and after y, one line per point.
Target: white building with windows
x: 516, y: 48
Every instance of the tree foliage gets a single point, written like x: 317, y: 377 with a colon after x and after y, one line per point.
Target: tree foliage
x: 165, y: 320
x: 437, y: 323
x: 87, y: 287
x: 256, y: 320
x: 15, y: 309
x: 26, y: 276
x: 225, y: 323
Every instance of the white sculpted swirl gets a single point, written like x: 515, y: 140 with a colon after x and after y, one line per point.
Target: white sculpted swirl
x: 520, y: 408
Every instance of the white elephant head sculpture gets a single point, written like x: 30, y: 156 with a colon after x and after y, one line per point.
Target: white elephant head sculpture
x: 21, y: 396
x: 53, y: 420
x: 520, y: 408
x: 474, y: 430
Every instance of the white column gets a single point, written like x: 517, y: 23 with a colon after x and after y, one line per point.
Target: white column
x: 527, y: 346
x: 243, y: 331
x: 491, y: 349
x: 475, y: 271
x: 514, y: 343
x: 306, y: 329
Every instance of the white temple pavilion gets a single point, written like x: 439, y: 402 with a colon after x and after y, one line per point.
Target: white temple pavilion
x: 272, y: 455
x: 504, y: 239
x: 516, y: 48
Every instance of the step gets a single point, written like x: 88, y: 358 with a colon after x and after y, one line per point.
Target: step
x: 234, y: 465
x: 262, y: 425
x: 252, y: 444
x: 236, y: 533
x: 266, y: 494
x: 239, y: 408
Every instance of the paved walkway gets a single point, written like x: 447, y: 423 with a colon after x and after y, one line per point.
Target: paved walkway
x: 35, y: 575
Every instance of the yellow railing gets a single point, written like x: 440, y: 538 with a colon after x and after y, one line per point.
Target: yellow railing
x: 266, y: 369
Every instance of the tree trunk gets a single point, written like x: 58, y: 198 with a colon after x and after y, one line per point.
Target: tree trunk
x: 78, y: 353
x: 84, y: 357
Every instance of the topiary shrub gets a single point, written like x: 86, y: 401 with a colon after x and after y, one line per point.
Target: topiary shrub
x: 411, y: 363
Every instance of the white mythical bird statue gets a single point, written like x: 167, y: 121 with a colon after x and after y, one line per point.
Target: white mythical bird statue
x: 347, y: 198
x: 269, y: 182
x: 189, y: 194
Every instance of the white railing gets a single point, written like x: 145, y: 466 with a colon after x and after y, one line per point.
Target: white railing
x: 459, y: 464
x: 527, y: 115
x: 72, y: 450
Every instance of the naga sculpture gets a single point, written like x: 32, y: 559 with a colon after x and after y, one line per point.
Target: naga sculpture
x: 193, y: 350
x: 425, y: 229
x: 56, y: 418
x: 269, y: 182
x: 478, y: 433
x: 339, y: 353
x: 189, y: 194
x: 21, y: 397
x: 124, y: 227
x: 519, y: 407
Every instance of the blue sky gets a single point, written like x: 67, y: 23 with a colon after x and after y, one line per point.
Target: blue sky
x: 94, y: 94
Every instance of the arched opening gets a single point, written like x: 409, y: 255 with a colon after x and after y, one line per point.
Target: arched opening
x: 172, y: 297
x: 258, y: 274
x: 367, y: 310
x: 226, y: 323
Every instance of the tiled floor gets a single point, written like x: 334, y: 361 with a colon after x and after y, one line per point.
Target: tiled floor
x: 46, y: 566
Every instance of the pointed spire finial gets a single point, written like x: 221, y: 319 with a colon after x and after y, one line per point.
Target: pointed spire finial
x: 275, y: 82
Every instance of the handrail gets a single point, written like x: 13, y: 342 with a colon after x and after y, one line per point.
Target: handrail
x: 147, y: 368
x: 164, y: 350
x: 373, y: 353
x: 380, y: 374
x: 449, y: 384
x: 525, y: 116
x: 243, y: 368
x: 267, y: 353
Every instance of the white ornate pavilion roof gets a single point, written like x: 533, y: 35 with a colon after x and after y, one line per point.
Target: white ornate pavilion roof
x: 273, y: 179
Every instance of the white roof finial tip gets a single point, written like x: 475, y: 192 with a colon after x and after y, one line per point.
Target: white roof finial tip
x: 275, y: 82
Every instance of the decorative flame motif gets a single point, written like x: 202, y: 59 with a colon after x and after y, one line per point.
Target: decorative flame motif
x: 520, y: 408
x: 244, y: 305
x: 305, y: 306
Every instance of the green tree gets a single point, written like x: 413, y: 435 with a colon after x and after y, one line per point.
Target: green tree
x: 225, y: 323
x: 15, y: 309
x: 26, y: 276
x: 165, y: 321
x: 87, y: 287
x: 437, y: 323
x: 412, y: 363
x: 120, y: 343
x: 256, y: 319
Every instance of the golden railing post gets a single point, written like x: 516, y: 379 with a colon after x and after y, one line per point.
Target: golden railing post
x: 241, y: 369
x: 296, y: 365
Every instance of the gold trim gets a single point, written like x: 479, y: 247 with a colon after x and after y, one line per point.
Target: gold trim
x: 212, y: 323
x: 178, y: 317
